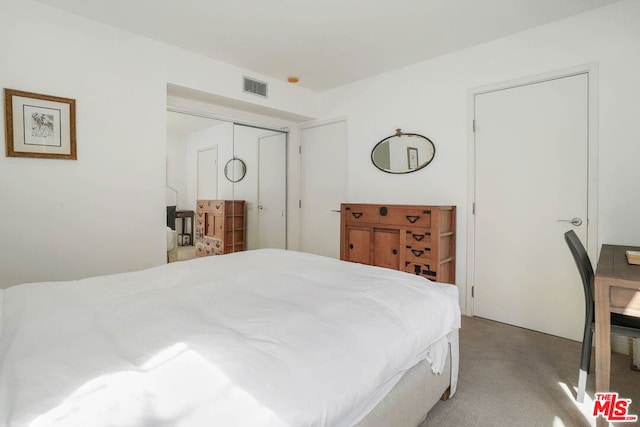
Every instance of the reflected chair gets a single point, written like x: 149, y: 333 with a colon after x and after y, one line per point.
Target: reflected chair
x: 620, y: 324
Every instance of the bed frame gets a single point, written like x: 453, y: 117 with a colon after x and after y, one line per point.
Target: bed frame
x: 410, y: 400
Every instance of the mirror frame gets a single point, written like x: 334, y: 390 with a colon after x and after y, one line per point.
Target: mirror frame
x: 226, y: 169
x: 398, y: 134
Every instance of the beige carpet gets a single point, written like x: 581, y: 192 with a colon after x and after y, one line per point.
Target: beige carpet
x: 186, y: 252
x: 516, y: 377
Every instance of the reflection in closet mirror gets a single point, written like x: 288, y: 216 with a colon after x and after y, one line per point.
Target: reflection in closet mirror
x: 403, y: 153
x: 264, y: 187
x: 198, y: 149
x: 235, y: 170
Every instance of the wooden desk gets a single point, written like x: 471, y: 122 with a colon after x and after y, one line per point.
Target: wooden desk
x: 617, y: 289
x: 184, y: 215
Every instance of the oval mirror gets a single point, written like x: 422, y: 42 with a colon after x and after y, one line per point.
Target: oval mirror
x: 235, y: 170
x: 403, y: 153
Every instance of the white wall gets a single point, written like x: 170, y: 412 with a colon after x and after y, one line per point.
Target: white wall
x: 105, y: 212
x: 431, y: 98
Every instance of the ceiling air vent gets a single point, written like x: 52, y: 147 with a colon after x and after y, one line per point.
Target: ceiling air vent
x: 254, y: 86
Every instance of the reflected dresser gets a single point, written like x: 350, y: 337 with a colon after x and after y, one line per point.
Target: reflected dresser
x: 416, y: 239
x: 219, y: 227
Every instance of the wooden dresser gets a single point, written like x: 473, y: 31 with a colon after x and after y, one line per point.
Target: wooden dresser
x: 415, y: 239
x: 219, y: 227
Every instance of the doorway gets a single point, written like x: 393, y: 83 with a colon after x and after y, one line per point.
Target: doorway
x: 533, y: 172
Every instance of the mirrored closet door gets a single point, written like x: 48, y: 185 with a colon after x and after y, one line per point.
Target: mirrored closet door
x: 264, y: 185
x: 244, y: 165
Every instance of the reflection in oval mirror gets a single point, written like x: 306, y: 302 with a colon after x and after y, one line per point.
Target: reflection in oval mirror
x: 403, y: 153
x: 235, y: 169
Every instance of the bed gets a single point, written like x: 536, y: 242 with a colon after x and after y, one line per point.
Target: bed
x: 257, y: 338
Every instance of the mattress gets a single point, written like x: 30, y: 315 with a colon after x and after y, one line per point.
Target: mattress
x: 264, y: 337
x: 409, y: 401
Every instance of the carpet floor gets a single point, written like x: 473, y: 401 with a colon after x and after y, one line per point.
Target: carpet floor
x: 511, y: 376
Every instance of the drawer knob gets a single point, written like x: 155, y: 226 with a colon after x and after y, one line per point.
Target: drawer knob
x: 351, y: 246
x: 417, y: 252
x: 418, y: 237
x: 356, y: 215
x: 383, y: 211
x: 395, y: 252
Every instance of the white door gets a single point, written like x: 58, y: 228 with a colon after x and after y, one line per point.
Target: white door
x: 531, y: 148
x: 323, y: 187
x: 207, y: 185
x: 272, y: 189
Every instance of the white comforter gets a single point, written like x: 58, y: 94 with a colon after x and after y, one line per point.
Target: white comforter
x: 257, y: 338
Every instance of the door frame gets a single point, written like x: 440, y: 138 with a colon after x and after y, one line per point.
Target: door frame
x: 591, y: 69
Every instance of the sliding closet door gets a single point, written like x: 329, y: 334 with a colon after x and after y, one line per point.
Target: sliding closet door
x: 264, y: 186
x: 272, y: 197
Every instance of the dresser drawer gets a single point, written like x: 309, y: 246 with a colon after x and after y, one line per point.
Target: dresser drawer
x: 406, y: 217
x: 209, y: 206
x: 419, y: 254
x: 357, y: 214
x: 421, y: 269
x: 418, y: 237
x: 391, y: 215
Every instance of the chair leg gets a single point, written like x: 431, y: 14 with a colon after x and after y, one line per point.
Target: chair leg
x: 585, y: 362
x: 582, y: 385
x: 586, y: 352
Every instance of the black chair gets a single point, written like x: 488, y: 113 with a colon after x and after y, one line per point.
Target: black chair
x: 620, y: 324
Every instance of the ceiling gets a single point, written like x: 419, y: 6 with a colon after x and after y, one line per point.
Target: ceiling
x: 326, y: 43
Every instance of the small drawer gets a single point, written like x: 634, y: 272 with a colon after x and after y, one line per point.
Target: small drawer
x: 418, y: 254
x: 210, y: 206
x: 421, y: 269
x: 357, y: 214
x: 215, y: 206
x: 408, y: 217
x: 418, y: 237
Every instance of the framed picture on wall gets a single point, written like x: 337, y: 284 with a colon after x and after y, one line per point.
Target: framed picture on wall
x: 39, y: 125
x: 412, y: 158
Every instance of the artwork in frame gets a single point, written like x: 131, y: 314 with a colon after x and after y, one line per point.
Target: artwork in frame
x: 412, y: 158
x: 39, y: 125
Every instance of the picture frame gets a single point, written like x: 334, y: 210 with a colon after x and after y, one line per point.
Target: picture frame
x: 412, y: 158
x: 38, y: 125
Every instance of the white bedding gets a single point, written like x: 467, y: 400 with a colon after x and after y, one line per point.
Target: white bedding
x: 256, y: 338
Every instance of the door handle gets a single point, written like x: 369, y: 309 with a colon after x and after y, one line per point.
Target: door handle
x: 573, y: 221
